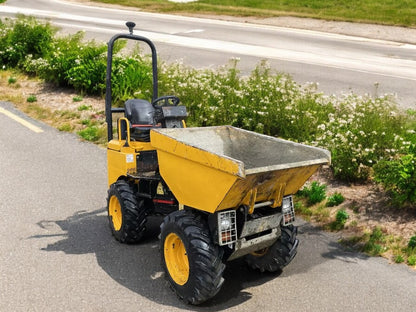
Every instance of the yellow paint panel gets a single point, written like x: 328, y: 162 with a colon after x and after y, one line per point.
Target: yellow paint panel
x: 193, y: 184
x: 121, y: 158
x: 269, y: 186
x: 119, y: 163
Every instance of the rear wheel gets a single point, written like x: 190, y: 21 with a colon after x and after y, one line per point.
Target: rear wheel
x: 193, y: 264
x: 278, y: 255
x: 126, y: 214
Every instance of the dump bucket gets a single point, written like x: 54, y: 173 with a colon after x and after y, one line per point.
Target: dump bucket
x: 216, y: 168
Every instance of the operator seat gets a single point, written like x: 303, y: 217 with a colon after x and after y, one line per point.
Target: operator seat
x: 140, y: 113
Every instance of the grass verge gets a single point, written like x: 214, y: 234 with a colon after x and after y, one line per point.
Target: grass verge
x: 398, y: 12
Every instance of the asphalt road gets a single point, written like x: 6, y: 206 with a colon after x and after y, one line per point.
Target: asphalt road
x: 57, y: 253
x: 339, y: 63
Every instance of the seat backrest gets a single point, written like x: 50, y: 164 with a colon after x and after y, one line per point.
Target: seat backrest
x: 139, y: 112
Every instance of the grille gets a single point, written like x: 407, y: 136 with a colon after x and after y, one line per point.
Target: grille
x: 288, y: 211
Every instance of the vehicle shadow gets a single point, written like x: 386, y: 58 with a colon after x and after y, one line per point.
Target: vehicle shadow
x: 138, y: 268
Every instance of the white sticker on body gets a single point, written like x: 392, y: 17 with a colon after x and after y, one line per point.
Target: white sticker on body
x: 129, y: 158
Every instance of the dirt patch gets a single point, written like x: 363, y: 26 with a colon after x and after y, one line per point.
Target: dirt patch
x: 368, y: 206
x: 47, y: 95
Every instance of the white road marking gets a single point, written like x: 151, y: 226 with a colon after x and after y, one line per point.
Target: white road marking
x: 193, y: 31
x: 20, y: 120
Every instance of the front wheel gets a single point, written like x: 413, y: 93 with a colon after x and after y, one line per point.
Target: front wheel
x: 192, y: 263
x: 278, y: 255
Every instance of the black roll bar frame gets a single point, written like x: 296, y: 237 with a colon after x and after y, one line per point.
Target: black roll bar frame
x: 109, y: 109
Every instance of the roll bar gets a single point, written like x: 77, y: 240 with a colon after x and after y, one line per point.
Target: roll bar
x: 109, y: 110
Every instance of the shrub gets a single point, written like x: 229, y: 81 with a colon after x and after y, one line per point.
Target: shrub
x: 83, y: 108
x: 412, y: 242
x: 361, y: 132
x: 340, y: 219
x: 31, y: 98
x: 411, y: 260
x: 266, y: 102
x: 335, y: 200
x: 358, y: 130
x: 131, y: 78
x: 22, y: 37
x: 314, y: 193
x: 398, y: 259
x: 73, y: 62
x: 66, y: 127
x: 12, y: 80
x: 93, y: 133
x: 342, y: 216
x: 399, y: 177
x: 374, y: 245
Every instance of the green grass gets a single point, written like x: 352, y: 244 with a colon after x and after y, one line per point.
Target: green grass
x: 340, y: 219
x: 31, y: 98
x: 12, y: 80
x: 77, y: 98
x: 389, y: 12
x: 314, y: 193
x: 335, y: 200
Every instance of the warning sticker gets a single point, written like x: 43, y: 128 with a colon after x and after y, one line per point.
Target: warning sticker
x: 129, y: 158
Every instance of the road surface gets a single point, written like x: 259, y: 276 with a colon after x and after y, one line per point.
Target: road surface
x: 57, y: 252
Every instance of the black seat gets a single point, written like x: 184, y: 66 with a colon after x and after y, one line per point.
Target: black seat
x: 140, y: 113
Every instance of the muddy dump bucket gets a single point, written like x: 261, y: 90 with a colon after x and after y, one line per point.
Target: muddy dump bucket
x: 216, y: 168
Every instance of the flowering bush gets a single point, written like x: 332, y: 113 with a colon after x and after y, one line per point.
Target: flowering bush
x: 21, y: 37
x: 131, y: 78
x: 72, y: 62
x: 359, y: 133
x: 82, y: 65
x: 358, y: 130
x: 272, y: 104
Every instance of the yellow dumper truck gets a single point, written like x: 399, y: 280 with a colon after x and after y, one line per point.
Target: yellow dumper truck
x: 225, y: 192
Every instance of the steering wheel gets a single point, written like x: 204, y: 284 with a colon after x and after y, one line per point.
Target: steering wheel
x: 168, y: 100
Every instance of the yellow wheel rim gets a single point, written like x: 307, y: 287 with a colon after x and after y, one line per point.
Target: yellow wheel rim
x: 176, y: 259
x: 114, y: 210
x: 261, y: 252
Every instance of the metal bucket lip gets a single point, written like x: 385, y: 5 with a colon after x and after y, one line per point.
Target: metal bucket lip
x: 320, y: 161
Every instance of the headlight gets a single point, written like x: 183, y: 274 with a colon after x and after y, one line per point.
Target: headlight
x: 286, y: 204
x: 227, y: 227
